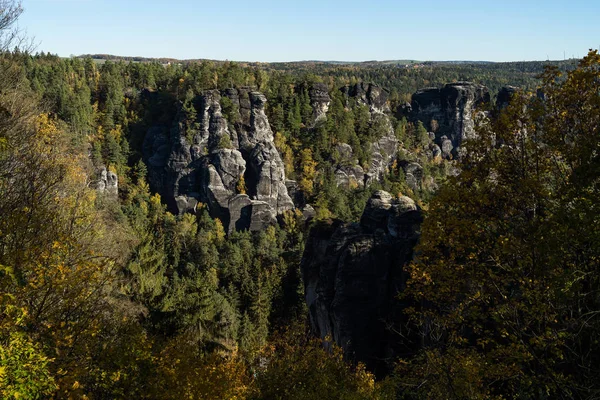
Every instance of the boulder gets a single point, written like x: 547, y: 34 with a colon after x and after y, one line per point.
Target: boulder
x: 446, y: 147
x: 107, y: 182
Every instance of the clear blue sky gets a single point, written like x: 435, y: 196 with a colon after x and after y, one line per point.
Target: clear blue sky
x: 268, y: 30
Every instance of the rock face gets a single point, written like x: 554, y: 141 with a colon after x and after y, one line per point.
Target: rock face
x: 504, y: 96
x: 348, y: 173
x: 453, y: 107
x: 107, y: 183
x: 382, y: 152
x: 353, y: 274
x: 371, y: 95
x: 319, y: 100
x: 225, y: 158
x: 414, y: 174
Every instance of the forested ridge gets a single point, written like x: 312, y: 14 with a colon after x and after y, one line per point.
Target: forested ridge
x: 108, y: 290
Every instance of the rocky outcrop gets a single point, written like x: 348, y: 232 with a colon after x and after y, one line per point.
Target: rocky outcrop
x: 348, y: 173
x: 370, y: 95
x: 319, y: 101
x: 453, y: 107
x: 383, y: 151
x: 107, y: 183
x: 504, y: 96
x: 413, y: 173
x: 353, y: 274
x: 222, y: 155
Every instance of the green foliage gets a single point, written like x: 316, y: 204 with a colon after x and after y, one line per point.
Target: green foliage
x: 24, y: 369
x: 421, y: 135
x: 509, y: 254
x: 126, y: 300
x: 225, y: 142
x: 230, y: 110
x: 298, y: 368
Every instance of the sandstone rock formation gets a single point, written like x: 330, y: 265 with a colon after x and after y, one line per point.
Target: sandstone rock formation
x: 107, y: 183
x: 319, y: 101
x: 382, y: 152
x: 353, y: 274
x: 413, y: 173
x: 453, y: 107
x: 504, y: 96
x: 368, y: 94
x: 226, y: 161
x: 348, y: 173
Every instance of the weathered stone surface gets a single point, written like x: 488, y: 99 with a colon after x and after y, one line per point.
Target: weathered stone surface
x: 348, y: 173
x: 504, y: 96
x: 308, y: 212
x: 294, y: 192
x: 383, y: 151
x: 447, y: 147
x: 413, y: 173
x: 370, y: 95
x: 157, y: 146
x: 453, y: 108
x: 223, y: 170
x: 107, y: 183
x: 353, y: 274
x: 268, y: 177
x: 221, y: 152
x: 350, y: 177
x: 435, y: 150
x: 247, y: 214
x: 319, y: 100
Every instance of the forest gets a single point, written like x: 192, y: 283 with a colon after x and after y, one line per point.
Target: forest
x: 149, y: 289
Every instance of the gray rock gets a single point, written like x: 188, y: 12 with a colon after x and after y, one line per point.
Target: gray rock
x: 224, y: 170
x: 370, y: 95
x: 308, y: 212
x: 353, y: 274
x: 156, y: 147
x: 435, y: 150
x: 452, y: 106
x: 269, y: 177
x: 414, y: 174
x: 504, y: 96
x: 350, y: 177
x: 209, y: 168
x: 186, y: 203
x: 247, y: 214
x: 107, y: 183
x: 348, y: 173
x: 446, y: 148
x: 383, y: 151
x: 344, y: 152
x: 377, y: 211
x: 319, y: 100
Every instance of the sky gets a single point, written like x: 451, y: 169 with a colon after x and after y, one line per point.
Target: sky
x: 269, y: 31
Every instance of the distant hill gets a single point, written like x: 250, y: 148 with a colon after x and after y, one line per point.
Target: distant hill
x: 307, y: 63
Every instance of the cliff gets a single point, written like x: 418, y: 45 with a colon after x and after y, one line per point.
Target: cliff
x: 353, y: 274
x: 228, y: 162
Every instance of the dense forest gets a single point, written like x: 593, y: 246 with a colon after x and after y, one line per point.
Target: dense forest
x: 119, y: 291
